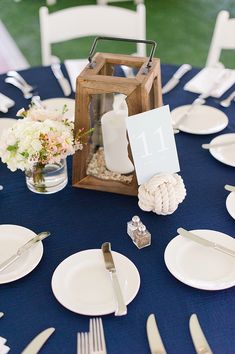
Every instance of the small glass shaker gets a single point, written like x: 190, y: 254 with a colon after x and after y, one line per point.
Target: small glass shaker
x: 133, y: 225
x: 142, y: 237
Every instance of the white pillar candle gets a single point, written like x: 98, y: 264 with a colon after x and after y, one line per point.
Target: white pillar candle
x: 115, y: 142
x: 119, y: 102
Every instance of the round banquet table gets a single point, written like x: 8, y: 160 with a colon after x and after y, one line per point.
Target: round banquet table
x: 80, y: 219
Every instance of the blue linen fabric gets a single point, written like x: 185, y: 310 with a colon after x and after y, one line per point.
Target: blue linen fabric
x: 82, y: 219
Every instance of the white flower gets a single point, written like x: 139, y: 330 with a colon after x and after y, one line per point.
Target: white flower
x: 42, y: 136
x: 28, y: 142
x: 41, y: 114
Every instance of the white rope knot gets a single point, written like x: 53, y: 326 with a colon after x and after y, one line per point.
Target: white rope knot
x: 162, y: 194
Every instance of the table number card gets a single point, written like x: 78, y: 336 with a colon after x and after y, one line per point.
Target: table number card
x: 152, y: 143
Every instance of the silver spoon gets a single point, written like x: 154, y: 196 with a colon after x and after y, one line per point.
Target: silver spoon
x: 14, y: 82
x: 227, y: 101
x: 18, y: 77
x: 229, y: 188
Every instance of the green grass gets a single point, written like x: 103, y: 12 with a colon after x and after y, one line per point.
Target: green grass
x: 182, y: 29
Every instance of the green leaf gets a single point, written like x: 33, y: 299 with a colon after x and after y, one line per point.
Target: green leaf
x: 12, y: 147
x: 65, y: 109
x: 25, y: 154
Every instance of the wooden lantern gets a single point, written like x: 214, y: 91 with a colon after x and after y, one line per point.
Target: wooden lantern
x: 96, y: 90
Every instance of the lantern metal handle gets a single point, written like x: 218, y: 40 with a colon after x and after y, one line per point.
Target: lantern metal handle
x: 153, y: 43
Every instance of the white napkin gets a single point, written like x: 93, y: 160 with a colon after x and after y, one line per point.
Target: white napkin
x: 74, y: 67
x: 5, y: 103
x: 4, y: 349
x: 203, y: 81
x: 2, y: 342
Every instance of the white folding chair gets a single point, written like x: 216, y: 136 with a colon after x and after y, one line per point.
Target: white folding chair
x: 223, y: 38
x: 91, y: 20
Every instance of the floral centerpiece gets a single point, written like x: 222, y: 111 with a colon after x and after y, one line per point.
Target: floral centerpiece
x: 39, y: 144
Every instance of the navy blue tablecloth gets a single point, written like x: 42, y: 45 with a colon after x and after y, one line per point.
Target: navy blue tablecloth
x: 82, y: 219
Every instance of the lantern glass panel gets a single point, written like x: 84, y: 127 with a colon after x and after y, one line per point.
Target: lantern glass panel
x: 110, y: 69
x: 108, y: 156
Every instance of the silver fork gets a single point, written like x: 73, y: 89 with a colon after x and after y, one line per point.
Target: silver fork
x: 83, y: 343
x: 96, y: 337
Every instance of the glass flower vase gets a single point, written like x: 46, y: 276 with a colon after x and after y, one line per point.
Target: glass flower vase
x: 48, y: 178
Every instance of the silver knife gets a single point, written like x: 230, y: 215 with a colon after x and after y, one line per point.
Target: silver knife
x: 64, y: 83
x: 183, y: 69
x: 36, y: 344
x: 204, y: 242
x: 199, y: 340
x: 215, y: 145
x: 229, y: 188
x: 199, y: 101
x: 110, y: 266
x: 23, y: 248
x: 154, y: 338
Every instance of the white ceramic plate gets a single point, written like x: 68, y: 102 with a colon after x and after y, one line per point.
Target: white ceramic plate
x: 200, y: 266
x: 6, y: 123
x: 225, y: 154
x: 58, y: 104
x: 11, y: 238
x: 230, y: 204
x: 202, y: 120
x: 83, y: 285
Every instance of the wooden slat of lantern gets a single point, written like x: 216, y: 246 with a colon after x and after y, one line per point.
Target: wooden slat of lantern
x: 143, y: 93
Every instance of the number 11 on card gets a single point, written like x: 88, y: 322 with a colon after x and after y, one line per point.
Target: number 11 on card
x: 146, y: 146
x: 152, y: 143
